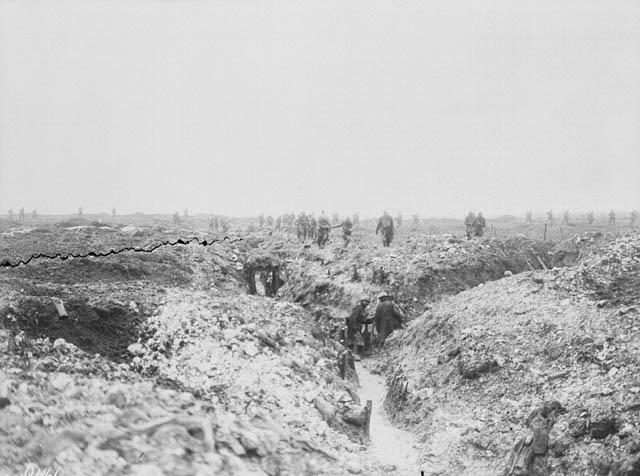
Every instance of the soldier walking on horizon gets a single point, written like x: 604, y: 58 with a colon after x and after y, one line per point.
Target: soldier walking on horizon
x: 313, y: 227
x: 385, y: 225
x: 590, y: 218
x: 612, y: 218
x: 21, y: 215
x: 469, y: 220
x: 479, y: 225
x: 347, y: 225
x: 323, y: 229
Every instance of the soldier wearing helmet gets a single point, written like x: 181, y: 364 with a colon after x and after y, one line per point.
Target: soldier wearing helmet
x: 388, y: 317
x: 355, y: 321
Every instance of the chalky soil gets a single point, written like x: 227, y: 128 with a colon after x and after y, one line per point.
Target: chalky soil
x: 393, y: 447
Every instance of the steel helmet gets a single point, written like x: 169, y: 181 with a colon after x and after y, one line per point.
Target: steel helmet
x: 382, y: 295
x: 364, y: 297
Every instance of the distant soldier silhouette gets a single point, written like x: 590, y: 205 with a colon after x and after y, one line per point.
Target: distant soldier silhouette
x: 21, y: 215
x: 528, y: 218
x: 479, y: 225
x: 34, y: 214
x: 469, y: 220
x: 612, y: 218
x: 566, y: 217
x: 261, y: 220
x: 385, y: 225
x: 590, y: 218
x: 313, y: 227
x: 303, y: 226
x: 113, y: 213
x: 399, y: 220
x: 323, y: 229
x: 347, y: 226
x: 550, y: 217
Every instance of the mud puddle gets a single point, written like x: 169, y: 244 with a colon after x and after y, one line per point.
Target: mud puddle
x: 393, y: 447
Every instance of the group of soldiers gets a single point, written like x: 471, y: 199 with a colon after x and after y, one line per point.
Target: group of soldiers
x: 318, y: 230
x: 566, y: 217
x: 474, y: 225
x: 361, y: 332
x: 21, y: 215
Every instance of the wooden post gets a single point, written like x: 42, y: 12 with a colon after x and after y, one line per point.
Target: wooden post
x: 368, y: 420
x: 545, y: 232
x: 561, y: 234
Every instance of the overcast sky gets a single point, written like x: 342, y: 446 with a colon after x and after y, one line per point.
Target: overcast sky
x: 241, y: 106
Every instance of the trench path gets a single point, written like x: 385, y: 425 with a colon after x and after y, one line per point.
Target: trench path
x: 393, y: 447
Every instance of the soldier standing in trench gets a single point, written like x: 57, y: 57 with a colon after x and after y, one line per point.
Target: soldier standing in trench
x: 355, y: 321
x: 388, y: 317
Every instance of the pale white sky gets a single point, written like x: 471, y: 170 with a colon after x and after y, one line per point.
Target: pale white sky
x: 248, y: 106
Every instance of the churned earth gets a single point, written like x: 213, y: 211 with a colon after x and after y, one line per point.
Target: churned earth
x: 166, y: 365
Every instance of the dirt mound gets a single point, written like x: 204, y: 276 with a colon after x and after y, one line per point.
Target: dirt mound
x: 495, y: 353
